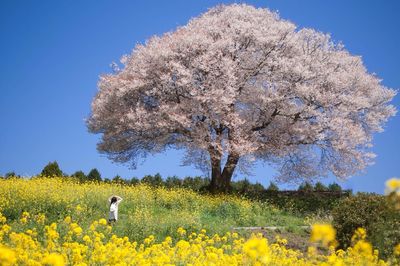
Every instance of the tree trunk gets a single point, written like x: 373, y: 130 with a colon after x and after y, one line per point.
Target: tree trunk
x: 221, y: 180
x: 227, y: 173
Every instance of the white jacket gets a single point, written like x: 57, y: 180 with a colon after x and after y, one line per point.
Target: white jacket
x: 114, y: 208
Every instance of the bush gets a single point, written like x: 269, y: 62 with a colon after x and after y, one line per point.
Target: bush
x: 373, y: 212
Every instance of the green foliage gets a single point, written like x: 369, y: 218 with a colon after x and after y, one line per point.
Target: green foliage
x: 306, y: 187
x: 320, y: 187
x: 173, y: 181
x: 11, y: 175
x: 155, y: 181
x: 334, y: 187
x: 195, y: 183
x: 134, y: 181
x: 244, y: 187
x: 79, y: 175
x: 94, y: 175
x: 272, y: 187
x: 118, y: 180
x: 303, y: 203
x: 52, y: 170
x: 373, y: 212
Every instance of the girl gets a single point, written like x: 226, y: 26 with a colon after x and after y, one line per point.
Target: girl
x: 114, y: 202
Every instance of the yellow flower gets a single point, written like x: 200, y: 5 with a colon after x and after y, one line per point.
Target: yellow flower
x: 24, y: 218
x: 53, y: 259
x: 397, y: 250
x: 359, y: 234
x: 257, y: 249
x: 77, y: 231
x: 7, y: 256
x: 68, y: 220
x: 103, y: 221
x: 3, y: 219
x: 393, y: 185
x: 181, y: 231
x: 87, y: 239
x: 323, y: 233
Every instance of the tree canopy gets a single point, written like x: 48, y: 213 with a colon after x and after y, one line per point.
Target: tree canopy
x: 239, y: 84
x: 52, y: 170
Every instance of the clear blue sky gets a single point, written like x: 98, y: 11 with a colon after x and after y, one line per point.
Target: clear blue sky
x: 52, y: 52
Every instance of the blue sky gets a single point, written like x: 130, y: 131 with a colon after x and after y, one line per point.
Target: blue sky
x: 52, y: 53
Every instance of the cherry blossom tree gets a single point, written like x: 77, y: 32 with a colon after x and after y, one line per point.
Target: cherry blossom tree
x: 239, y: 84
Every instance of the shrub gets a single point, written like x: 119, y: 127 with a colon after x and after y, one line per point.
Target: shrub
x: 373, y: 212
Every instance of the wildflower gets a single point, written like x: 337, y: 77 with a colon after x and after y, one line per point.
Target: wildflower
x: 40, y: 218
x: 24, y: 218
x: 53, y: 259
x: 181, y: 231
x: 3, y: 219
x: 393, y: 185
x: 87, y: 239
x: 103, y: 221
x: 396, y: 250
x: 359, y: 234
x: 67, y: 220
x: 257, y: 249
x: 323, y: 233
x: 7, y: 256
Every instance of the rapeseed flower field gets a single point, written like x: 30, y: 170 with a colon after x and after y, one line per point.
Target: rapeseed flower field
x: 47, y: 221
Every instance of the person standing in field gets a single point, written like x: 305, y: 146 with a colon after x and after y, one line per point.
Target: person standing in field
x: 114, y: 202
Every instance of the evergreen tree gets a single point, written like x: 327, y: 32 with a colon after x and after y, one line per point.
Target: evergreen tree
x: 335, y: 187
x: 272, y: 187
x: 320, y: 187
x: 52, y: 170
x: 94, y: 175
x: 154, y: 181
x: 79, y: 175
x: 134, y: 181
x: 173, y: 181
x: 306, y: 187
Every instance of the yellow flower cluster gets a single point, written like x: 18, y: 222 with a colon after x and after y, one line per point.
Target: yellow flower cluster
x: 393, y: 191
x: 99, y: 246
x: 323, y: 233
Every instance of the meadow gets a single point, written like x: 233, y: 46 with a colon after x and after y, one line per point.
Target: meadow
x: 54, y: 221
